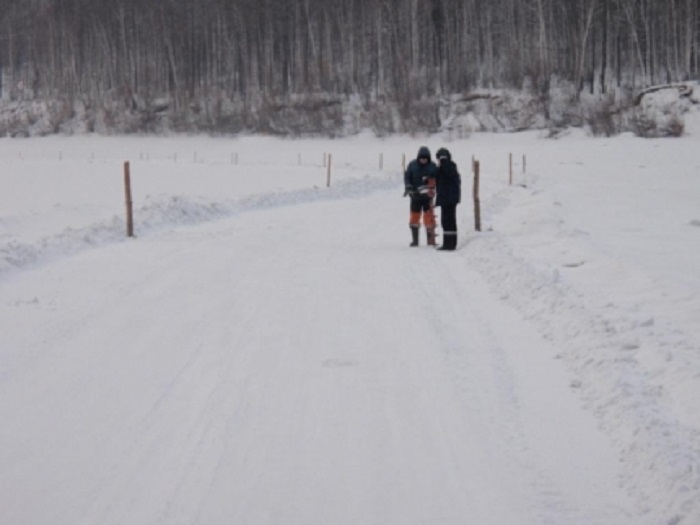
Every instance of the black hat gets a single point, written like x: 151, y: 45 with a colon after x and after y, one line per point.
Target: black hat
x: 443, y: 153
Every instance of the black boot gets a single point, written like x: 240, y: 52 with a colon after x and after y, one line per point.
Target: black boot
x: 414, y: 233
x: 449, y: 242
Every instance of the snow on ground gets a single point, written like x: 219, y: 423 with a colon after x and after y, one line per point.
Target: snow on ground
x: 269, y: 350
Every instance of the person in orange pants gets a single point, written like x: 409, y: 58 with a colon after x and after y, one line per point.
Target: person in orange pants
x: 419, y: 180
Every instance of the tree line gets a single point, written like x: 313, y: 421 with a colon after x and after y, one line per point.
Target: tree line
x: 191, y: 51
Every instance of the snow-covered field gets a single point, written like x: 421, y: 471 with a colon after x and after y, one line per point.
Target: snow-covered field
x: 270, y: 350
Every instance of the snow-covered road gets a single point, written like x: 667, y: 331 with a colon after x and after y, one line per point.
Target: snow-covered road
x: 280, y: 366
x: 271, y: 351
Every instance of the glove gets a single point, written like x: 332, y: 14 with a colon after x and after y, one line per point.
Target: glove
x: 407, y: 192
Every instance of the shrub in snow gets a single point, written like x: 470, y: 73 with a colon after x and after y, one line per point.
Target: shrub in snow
x: 659, y: 112
x: 603, y: 115
x: 656, y: 111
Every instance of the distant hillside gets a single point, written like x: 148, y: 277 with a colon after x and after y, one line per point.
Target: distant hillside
x: 330, y: 66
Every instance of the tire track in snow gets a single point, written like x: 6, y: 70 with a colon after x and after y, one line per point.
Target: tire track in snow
x: 393, y: 438
x: 484, y: 372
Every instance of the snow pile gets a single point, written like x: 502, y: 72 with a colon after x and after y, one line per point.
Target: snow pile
x: 637, y: 373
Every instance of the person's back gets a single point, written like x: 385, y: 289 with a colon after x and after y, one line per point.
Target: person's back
x: 448, y: 183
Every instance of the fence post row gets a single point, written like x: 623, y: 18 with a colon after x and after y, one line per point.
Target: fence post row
x: 327, y: 162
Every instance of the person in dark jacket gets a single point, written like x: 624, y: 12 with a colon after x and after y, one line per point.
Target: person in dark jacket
x: 449, y: 195
x: 419, y: 180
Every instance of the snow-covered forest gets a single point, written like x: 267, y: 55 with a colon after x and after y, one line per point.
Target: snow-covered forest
x: 339, y: 66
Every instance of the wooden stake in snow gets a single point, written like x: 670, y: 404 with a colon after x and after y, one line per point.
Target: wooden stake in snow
x: 524, y: 163
x: 477, y: 202
x: 129, y: 203
x: 328, y: 171
x: 381, y: 161
x: 510, y: 169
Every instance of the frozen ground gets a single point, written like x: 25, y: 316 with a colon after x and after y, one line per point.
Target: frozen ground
x: 269, y: 350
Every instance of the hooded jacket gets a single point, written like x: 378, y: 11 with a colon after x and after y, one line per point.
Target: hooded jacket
x: 419, y: 178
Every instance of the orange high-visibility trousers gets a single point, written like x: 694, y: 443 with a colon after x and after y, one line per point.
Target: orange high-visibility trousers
x: 422, y: 207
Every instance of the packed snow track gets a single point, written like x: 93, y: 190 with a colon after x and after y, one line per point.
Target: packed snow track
x: 291, y: 364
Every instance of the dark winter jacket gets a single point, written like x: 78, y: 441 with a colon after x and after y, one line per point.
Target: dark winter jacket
x: 449, y: 184
x: 419, y: 178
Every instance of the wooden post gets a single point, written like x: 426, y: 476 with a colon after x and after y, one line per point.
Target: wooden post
x: 510, y: 169
x: 129, y: 203
x: 403, y: 161
x: 381, y: 161
x: 328, y: 171
x: 477, y: 202
x: 524, y: 163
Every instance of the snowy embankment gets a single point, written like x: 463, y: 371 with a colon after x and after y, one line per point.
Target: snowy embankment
x: 546, y: 372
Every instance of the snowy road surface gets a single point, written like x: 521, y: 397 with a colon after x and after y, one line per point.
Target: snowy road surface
x: 271, y: 351
x: 280, y: 367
